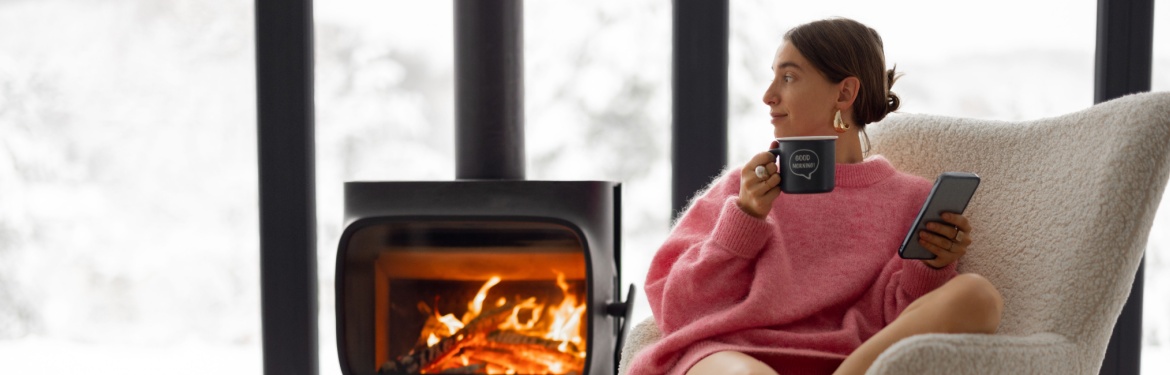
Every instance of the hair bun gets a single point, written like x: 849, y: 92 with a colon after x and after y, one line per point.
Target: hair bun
x: 892, y: 100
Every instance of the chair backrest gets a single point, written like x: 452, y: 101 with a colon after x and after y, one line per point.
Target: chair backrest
x: 1064, y: 210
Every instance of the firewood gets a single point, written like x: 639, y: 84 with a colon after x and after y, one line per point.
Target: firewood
x: 506, y: 359
x: 517, y: 338
x: 475, y: 368
x: 421, y: 358
x: 532, y: 360
x: 516, y: 351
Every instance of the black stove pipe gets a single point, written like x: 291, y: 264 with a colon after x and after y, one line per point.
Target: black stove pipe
x: 489, y: 89
x: 489, y: 112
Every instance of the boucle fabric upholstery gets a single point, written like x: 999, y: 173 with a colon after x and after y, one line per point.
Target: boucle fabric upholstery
x: 1061, y: 220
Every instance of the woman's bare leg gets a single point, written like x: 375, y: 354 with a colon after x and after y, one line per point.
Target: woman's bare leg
x: 966, y: 304
x: 730, y: 363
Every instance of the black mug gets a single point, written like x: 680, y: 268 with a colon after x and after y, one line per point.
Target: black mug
x: 807, y: 164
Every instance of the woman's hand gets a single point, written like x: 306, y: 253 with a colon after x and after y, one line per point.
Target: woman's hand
x: 948, y: 241
x: 756, y: 193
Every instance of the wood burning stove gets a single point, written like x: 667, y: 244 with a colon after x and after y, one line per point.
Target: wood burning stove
x: 488, y: 274
x: 480, y: 277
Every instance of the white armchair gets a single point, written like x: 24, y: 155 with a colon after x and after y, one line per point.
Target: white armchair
x: 1061, y: 219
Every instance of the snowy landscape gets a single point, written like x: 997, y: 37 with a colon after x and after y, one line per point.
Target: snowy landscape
x: 128, y: 189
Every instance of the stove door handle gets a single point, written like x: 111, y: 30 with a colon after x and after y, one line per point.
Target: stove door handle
x: 622, y: 310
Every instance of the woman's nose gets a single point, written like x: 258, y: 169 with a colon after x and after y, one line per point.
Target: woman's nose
x: 770, y: 98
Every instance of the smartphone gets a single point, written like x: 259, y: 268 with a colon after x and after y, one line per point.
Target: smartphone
x: 951, y: 193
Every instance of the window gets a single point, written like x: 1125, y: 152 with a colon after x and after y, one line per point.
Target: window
x: 598, y: 92
x: 129, y: 236
x: 128, y: 233
x: 385, y: 111
x: 962, y: 59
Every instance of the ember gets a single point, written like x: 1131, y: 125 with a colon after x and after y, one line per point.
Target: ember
x: 522, y: 335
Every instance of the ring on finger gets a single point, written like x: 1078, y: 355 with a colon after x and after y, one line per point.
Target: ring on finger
x: 958, y: 236
x: 761, y: 172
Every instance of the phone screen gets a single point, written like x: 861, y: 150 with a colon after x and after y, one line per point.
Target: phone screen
x: 951, y: 193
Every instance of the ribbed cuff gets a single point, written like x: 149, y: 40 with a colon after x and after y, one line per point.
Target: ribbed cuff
x: 919, y: 278
x: 739, y: 233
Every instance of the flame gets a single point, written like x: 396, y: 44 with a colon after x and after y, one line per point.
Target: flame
x: 476, y: 305
x: 453, y: 325
x: 534, y: 309
x: 566, y: 318
x: 533, y: 337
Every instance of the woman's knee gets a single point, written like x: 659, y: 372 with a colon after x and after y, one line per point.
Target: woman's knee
x: 976, y: 301
x: 730, y: 363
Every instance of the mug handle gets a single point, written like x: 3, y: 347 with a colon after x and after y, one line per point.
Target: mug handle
x: 776, y: 151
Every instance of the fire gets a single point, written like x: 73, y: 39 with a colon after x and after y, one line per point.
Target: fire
x: 567, y: 318
x: 453, y: 325
x: 522, y: 336
x: 476, y: 305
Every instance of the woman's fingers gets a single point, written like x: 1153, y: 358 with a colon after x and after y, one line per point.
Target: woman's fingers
x: 771, y: 187
x: 763, y: 187
x: 748, y: 173
x: 937, y: 263
x: 759, y: 185
x: 928, y: 239
x: 763, y: 158
x: 947, y: 241
x: 944, y: 230
x: 952, y: 233
x: 943, y: 257
x: 958, y: 221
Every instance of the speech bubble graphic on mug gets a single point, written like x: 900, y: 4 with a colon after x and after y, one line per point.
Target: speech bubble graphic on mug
x: 804, y: 162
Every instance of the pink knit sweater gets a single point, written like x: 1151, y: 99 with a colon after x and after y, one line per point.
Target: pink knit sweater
x: 799, y: 290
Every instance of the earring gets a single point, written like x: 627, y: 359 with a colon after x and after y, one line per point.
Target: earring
x: 838, y: 124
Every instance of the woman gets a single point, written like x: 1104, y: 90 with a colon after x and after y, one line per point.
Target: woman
x: 753, y: 281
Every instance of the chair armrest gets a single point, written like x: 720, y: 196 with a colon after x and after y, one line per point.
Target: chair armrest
x: 957, y: 354
x: 642, y: 335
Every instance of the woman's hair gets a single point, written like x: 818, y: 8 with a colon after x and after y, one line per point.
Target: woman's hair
x: 840, y: 48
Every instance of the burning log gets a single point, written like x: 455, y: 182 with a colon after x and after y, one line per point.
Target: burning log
x: 515, y: 352
x: 505, y: 359
x: 525, y: 361
x: 549, y: 356
x: 476, y: 368
x: 517, y: 338
x: 422, y: 359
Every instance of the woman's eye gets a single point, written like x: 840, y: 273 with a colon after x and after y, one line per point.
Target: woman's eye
x: 787, y: 78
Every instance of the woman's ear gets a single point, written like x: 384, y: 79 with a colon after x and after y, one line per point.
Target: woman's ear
x: 847, y: 91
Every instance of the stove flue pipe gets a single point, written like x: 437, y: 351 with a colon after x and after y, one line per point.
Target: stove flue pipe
x: 489, y: 89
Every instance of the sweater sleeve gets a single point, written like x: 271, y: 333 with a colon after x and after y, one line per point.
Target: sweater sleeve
x: 914, y: 279
x: 707, y: 263
x: 911, y: 278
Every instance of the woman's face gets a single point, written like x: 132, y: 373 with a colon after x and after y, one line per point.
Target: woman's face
x: 802, y: 101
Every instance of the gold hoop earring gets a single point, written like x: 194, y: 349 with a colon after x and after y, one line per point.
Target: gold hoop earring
x: 839, y: 125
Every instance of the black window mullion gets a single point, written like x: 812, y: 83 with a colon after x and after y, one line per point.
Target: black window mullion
x: 285, y: 134
x: 1125, y: 48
